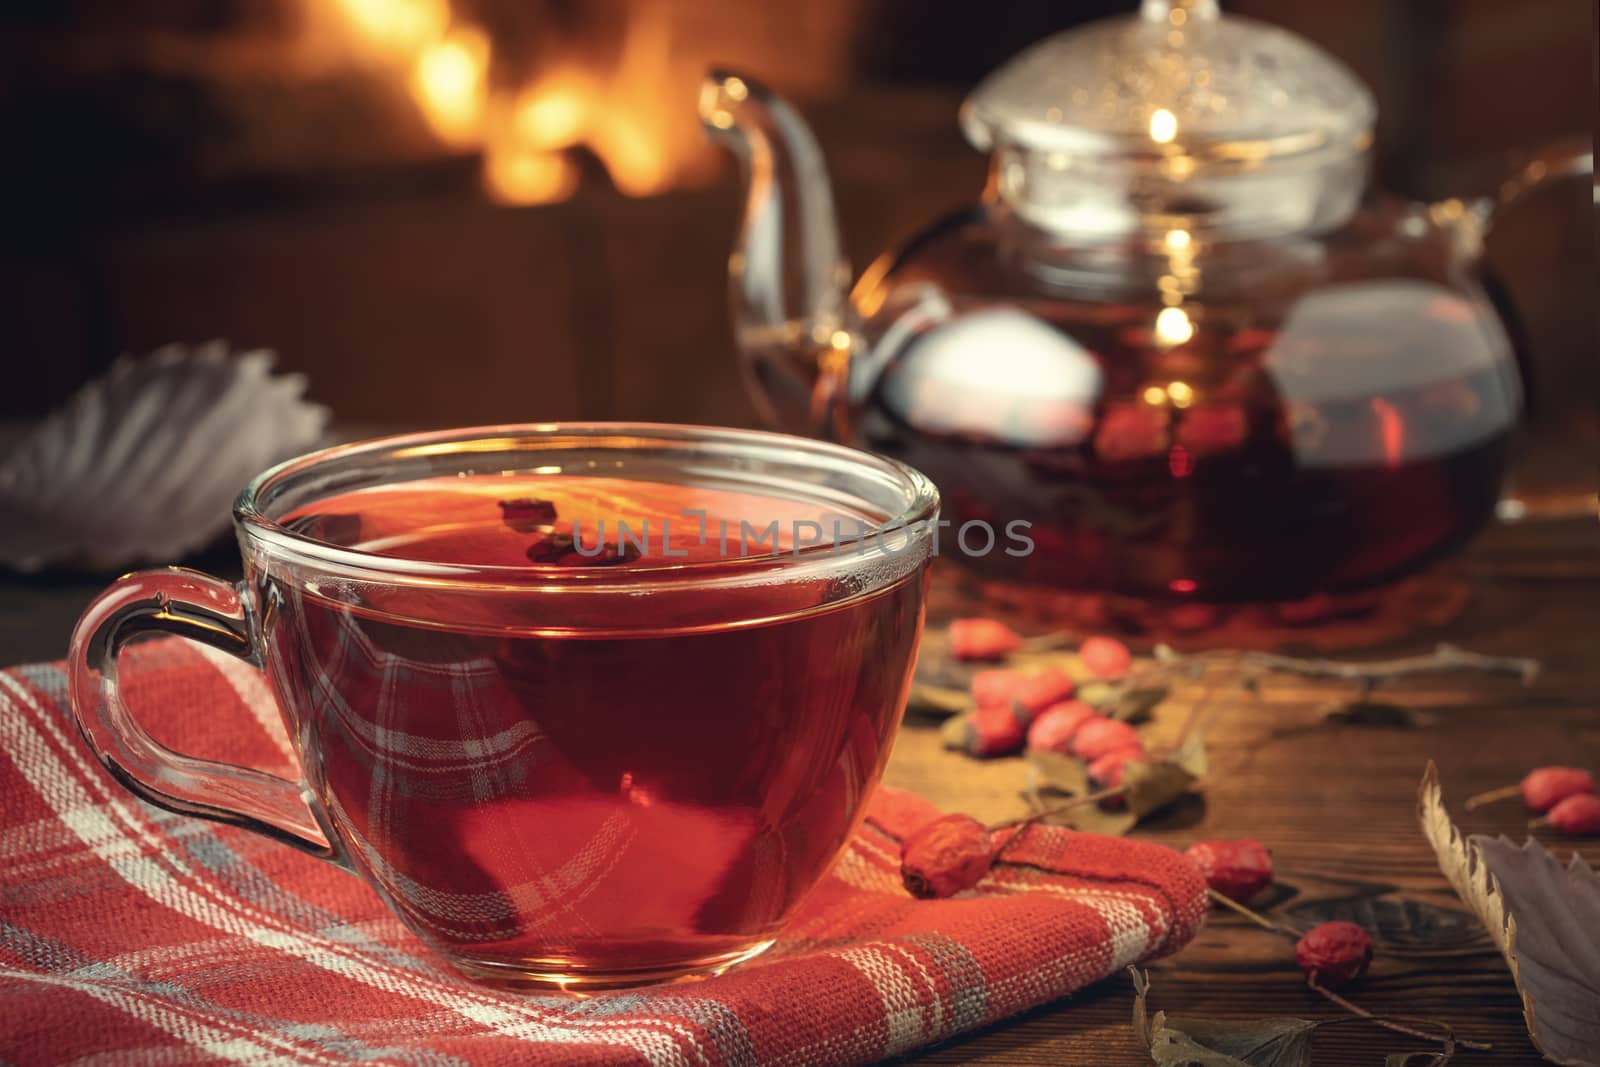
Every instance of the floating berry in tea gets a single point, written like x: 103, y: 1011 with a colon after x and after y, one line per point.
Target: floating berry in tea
x: 982, y: 639
x: 1334, y: 954
x: 1053, y: 729
x: 1238, y: 869
x: 1107, y: 657
x: 1100, y: 736
x: 525, y: 514
x: 560, y: 549
x: 1576, y: 816
x: 948, y: 855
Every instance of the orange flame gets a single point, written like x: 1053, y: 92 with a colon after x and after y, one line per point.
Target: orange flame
x: 626, y: 114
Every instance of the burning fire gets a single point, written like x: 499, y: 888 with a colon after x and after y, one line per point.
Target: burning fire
x: 622, y: 107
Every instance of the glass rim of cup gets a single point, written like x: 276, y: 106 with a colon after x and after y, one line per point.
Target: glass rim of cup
x: 916, y: 516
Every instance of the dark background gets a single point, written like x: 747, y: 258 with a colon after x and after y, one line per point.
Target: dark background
x: 177, y: 170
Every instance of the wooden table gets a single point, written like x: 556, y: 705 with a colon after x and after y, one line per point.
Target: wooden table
x: 1335, y: 804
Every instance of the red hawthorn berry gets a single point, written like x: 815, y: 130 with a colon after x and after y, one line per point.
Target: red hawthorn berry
x: 1578, y: 815
x: 1131, y: 431
x: 1211, y: 428
x: 1546, y: 787
x: 1106, y: 657
x: 944, y: 857
x: 1237, y: 869
x: 1106, y: 771
x: 982, y: 639
x: 1098, y: 737
x: 995, y: 730
x: 1335, y: 954
x: 1041, y: 690
x: 996, y: 685
x: 1053, y: 729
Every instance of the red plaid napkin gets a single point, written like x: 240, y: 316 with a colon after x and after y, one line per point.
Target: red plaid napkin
x: 138, y: 936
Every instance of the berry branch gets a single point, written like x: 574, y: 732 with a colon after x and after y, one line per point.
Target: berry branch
x: 1445, y: 657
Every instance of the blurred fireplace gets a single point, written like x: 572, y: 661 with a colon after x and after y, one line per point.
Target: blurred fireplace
x: 452, y: 211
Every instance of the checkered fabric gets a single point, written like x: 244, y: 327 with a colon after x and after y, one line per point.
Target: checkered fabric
x: 129, y: 935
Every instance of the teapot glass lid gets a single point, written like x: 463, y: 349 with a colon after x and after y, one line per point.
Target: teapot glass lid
x: 1176, y: 74
x: 1177, y: 93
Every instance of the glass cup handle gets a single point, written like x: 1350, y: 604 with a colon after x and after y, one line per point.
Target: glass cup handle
x: 202, y: 608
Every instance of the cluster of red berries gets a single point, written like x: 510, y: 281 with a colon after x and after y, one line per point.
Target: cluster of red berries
x: 1333, y: 954
x: 1035, y: 709
x: 1563, y: 796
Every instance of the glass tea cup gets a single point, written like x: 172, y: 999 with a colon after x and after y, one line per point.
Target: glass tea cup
x: 587, y: 705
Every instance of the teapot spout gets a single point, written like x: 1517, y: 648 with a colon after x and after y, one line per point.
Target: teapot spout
x: 788, y: 278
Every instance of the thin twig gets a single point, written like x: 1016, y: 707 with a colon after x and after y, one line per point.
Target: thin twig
x: 1506, y: 793
x: 1255, y: 916
x: 1057, y: 809
x: 1445, y: 657
x: 1449, y: 1040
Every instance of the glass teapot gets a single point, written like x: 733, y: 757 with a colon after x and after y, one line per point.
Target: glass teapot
x: 1176, y: 336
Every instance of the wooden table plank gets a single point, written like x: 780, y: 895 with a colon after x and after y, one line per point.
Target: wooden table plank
x: 1335, y: 803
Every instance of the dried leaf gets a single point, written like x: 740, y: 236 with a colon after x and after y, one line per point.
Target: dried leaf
x: 1417, y: 1059
x: 1068, y: 663
x: 1093, y: 819
x: 956, y: 731
x: 1099, y: 695
x: 1057, y: 773
x: 1153, y: 786
x: 1544, y: 918
x: 1376, y: 713
x: 939, y: 700
x: 938, y: 667
x: 1052, y: 776
x: 1135, y: 705
x: 1179, y: 1042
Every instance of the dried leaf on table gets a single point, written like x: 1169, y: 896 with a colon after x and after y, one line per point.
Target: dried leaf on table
x: 1152, y: 786
x: 1175, y: 1042
x: 1054, y: 772
x: 1135, y: 705
x: 1543, y: 916
x: 1379, y: 713
x: 1149, y: 786
x: 937, y: 667
x: 939, y: 700
x: 1417, y: 1059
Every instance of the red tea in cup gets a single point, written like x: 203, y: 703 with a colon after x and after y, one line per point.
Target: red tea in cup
x: 584, y: 710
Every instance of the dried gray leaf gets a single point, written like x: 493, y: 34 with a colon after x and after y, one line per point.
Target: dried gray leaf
x: 1176, y: 1042
x: 1057, y: 773
x: 1099, y: 695
x: 939, y: 700
x: 1543, y: 916
x: 1134, y: 706
x: 1378, y: 713
x: 1417, y: 1059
